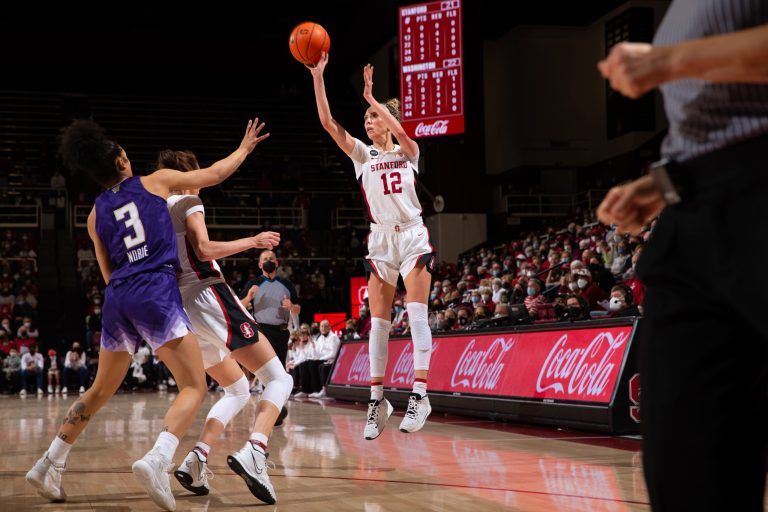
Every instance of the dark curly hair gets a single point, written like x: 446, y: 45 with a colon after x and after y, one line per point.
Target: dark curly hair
x: 84, y: 146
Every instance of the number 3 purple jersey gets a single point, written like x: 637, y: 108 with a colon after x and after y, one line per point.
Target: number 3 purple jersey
x: 136, y: 229
x: 142, y: 300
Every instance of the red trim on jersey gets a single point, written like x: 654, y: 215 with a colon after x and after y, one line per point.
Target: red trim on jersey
x: 375, y: 268
x: 365, y: 198
x: 415, y: 174
x: 242, y: 308
x: 226, y: 314
x: 203, y: 269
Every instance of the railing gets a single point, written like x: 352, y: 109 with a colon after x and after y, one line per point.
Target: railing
x: 20, y: 216
x: 229, y: 217
x: 33, y: 260
x: 552, y: 205
x: 348, y: 217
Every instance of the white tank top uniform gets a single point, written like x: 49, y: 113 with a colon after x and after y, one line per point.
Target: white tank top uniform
x: 398, y: 239
x: 218, y: 317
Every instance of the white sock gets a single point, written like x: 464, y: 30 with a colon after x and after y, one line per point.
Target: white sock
x: 166, y: 445
x: 420, y: 388
x: 59, y: 450
x: 259, y: 442
x: 205, y: 449
x: 377, y: 391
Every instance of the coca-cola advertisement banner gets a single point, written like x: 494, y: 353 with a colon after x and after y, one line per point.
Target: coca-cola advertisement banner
x: 576, y: 364
x: 431, y: 68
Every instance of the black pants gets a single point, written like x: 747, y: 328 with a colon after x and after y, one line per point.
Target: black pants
x: 278, y: 338
x: 313, y: 375
x: 704, y: 338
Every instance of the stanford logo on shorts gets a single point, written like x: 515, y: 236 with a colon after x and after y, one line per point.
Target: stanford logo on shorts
x: 246, y: 329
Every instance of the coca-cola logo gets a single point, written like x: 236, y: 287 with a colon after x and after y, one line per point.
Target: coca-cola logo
x: 439, y: 127
x: 585, y: 371
x: 403, y: 372
x: 481, y: 369
x: 360, y: 371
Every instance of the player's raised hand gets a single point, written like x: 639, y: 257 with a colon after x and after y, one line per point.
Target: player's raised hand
x: 266, y: 240
x: 368, y: 83
x: 319, y: 68
x: 252, y: 137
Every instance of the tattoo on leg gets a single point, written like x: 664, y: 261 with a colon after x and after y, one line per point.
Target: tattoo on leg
x: 62, y: 436
x: 166, y: 429
x: 76, y: 414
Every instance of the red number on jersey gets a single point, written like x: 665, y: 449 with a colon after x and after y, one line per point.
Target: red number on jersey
x: 396, y: 182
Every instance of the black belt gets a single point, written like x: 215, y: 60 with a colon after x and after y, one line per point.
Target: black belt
x: 680, y: 181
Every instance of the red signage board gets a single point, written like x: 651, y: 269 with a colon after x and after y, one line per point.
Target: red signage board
x: 431, y: 68
x: 358, y: 287
x: 576, y: 364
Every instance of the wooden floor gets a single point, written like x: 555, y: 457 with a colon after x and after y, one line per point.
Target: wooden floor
x: 324, y: 464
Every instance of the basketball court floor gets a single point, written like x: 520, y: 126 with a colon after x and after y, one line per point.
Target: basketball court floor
x: 324, y: 464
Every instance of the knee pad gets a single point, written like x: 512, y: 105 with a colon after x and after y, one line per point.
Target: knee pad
x: 277, y: 382
x: 422, y: 336
x: 377, y: 345
x: 234, y: 399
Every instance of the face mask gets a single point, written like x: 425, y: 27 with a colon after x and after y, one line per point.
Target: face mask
x: 97, y: 301
x: 433, y: 294
x: 622, y: 250
x: 573, y: 286
x: 315, y: 330
x: 531, y: 291
x: 398, y: 309
x: 480, y: 317
x: 574, y: 311
x: 582, y: 283
x: 496, y: 287
x: 97, y: 311
x: 614, y: 304
x: 504, y: 299
x: 462, y: 320
x: 559, y: 310
x: 497, y: 273
x: 486, y: 298
x: 446, y: 290
x: 269, y: 266
x: 27, y: 324
x: 450, y: 321
x: 563, y: 260
x: 475, y: 299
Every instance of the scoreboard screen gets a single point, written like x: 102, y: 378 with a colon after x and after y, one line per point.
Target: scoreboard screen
x: 431, y: 69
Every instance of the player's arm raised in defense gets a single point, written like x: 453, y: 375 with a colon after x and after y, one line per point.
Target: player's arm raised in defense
x: 407, y: 144
x: 207, y: 250
x: 163, y: 181
x: 344, y: 140
x: 102, y: 257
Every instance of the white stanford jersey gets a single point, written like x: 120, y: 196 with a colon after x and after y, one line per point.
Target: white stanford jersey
x: 388, y: 181
x: 194, y: 272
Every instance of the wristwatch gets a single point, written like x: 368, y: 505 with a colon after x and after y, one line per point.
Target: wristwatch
x: 667, y: 177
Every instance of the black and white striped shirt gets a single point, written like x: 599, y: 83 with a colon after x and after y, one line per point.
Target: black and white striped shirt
x: 705, y: 116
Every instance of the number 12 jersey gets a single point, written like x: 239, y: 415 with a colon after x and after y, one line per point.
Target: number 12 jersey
x: 388, y: 182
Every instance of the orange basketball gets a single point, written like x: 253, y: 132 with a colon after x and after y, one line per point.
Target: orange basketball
x: 308, y: 40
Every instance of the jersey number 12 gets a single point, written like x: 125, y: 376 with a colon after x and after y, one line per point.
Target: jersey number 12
x: 395, y: 183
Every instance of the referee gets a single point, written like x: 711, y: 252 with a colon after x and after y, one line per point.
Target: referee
x: 273, y: 300
x: 704, y: 338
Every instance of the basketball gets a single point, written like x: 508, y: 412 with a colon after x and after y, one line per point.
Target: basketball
x: 307, y: 42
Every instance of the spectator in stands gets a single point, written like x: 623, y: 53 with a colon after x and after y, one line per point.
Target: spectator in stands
x: 86, y: 258
x: 303, y: 352
x: 463, y: 317
x: 365, y: 320
x: 5, y: 326
x: 53, y: 372
x: 23, y: 341
x: 621, y: 303
x: 12, y: 370
x: 58, y: 180
x: 326, y: 347
x: 576, y: 308
x: 621, y: 260
x: 32, y: 364
x: 7, y: 300
x: 27, y: 326
x: 22, y: 308
x: 534, y: 301
x: 587, y: 289
x: 75, y: 365
x: 399, y: 313
x: 633, y: 282
x: 93, y: 322
x: 486, y: 300
x: 350, y: 332
x: 496, y: 290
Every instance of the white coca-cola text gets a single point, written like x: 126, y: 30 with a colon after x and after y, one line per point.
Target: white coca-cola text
x: 360, y: 371
x: 583, y: 371
x: 439, y: 127
x: 403, y: 372
x: 481, y: 369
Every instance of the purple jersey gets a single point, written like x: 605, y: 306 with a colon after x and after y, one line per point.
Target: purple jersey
x: 136, y: 229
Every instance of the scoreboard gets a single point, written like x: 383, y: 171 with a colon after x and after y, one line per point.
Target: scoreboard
x: 431, y: 69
